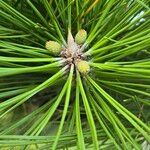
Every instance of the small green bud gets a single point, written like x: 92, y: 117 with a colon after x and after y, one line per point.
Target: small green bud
x: 83, y: 66
x: 54, y: 47
x: 33, y: 147
x: 81, y: 36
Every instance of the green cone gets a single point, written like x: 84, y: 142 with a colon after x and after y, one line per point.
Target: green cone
x: 54, y: 47
x: 81, y: 36
x: 83, y: 66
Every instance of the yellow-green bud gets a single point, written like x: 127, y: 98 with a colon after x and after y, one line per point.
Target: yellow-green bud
x: 33, y: 147
x: 83, y: 66
x: 81, y: 36
x: 54, y: 47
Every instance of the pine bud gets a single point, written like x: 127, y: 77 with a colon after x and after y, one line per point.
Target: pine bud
x: 54, y: 47
x: 83, y: 66
x: 81, y: 36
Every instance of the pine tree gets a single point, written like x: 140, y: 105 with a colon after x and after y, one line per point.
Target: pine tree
x: 74, y: 74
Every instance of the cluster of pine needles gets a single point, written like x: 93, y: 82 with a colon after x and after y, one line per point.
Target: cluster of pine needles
x: 47, y: 102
